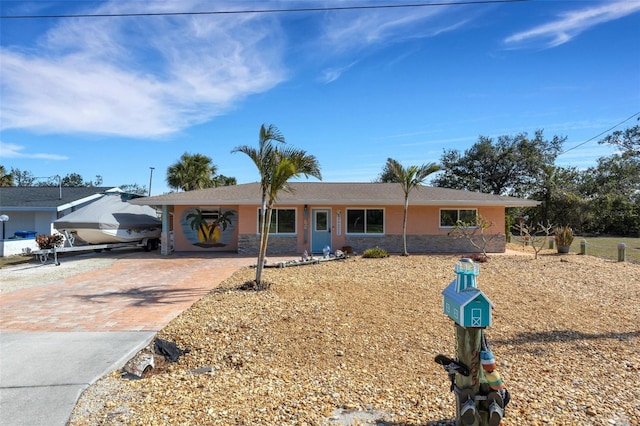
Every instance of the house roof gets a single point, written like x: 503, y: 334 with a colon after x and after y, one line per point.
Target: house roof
x: 319, y: 193
x: 47, y: 198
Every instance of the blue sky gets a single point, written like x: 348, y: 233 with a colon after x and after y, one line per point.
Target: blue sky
x: 114, y: 96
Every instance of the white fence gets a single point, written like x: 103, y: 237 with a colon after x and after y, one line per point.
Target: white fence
x: 17, y: 246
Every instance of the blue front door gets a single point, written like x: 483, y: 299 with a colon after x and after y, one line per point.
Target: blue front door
x: 320, y: 229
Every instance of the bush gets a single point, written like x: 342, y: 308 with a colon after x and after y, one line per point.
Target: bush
x: 564, y: 235
x: 375, y: 253
x: 49, y: 241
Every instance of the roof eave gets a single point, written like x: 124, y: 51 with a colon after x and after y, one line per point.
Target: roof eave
x: 149, y: 201
x: 29, y: 209
x: 78, y: 202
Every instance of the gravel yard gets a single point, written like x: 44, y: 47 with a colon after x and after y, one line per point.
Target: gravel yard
x: 359, y: 336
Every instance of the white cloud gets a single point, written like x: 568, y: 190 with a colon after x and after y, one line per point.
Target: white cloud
x: 138, y: 77
x: 571, y: 24
x: 347, y: 31
x: 332, y: 74
x: 152, y: 76
x: 358, y: 33
x: 9, y: 150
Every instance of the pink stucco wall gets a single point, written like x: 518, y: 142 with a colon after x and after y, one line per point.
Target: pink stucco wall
x: 422, y: 220
x: 182, y: 243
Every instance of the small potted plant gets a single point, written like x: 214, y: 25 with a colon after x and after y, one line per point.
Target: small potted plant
x: 564, y: 238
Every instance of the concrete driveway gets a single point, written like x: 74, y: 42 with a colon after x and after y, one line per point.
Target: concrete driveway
x: 63, y: 327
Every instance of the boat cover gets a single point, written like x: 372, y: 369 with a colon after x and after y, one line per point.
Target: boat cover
x: 109, y: 212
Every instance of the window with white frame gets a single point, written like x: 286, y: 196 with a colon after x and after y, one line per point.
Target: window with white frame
x: 283, y: 221
x: 365, y: 221
x: 450, y: 217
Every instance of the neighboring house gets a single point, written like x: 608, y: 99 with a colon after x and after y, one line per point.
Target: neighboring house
x: 314, y: 215
x: 32, y: 210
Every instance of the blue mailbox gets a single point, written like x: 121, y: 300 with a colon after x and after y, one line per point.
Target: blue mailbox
x: 463, y: 301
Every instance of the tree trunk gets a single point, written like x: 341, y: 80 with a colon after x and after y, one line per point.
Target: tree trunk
x: 264, y: 240
x: 262, y: 249
x: 404, y: 226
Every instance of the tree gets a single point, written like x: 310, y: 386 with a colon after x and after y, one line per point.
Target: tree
x: 408, y: 178
x: 73, y: 180
x: 615, y: 195
x: 510, y: 165
x: 612, y: 187
x: 475, y: 232
x: 276, y: 167
x: 562, y: 194
x: 192, y: 171
x: 134, y: 188
x: 536, y: 237
x: 22, y: 178
x: 222, y: 180
x: 6, y: 179
x: 627, y: 140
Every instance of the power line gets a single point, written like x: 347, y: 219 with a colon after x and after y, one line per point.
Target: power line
x: 293, y: 10
x: 600, y: 134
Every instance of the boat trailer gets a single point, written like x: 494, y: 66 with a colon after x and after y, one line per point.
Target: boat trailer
x: 43, y: 255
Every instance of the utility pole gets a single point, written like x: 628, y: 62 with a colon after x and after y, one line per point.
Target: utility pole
x: 150, y: 179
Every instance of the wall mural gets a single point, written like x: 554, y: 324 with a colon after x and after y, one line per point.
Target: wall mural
x: 208, y: 228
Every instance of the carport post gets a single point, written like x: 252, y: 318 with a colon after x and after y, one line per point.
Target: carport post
x: 165, y: 235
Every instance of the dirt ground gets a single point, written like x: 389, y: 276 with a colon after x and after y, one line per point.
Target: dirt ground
x: 360, y: 335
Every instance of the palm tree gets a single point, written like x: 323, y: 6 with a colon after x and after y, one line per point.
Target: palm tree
x: 263, y: 157
x: 192, y: 171
x: 409, y: 178
x: 6, y: 179
x: 276, y: 167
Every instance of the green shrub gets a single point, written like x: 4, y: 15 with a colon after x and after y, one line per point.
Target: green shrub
x: 375, y: 253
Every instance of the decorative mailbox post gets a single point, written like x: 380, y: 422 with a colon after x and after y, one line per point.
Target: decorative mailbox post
x: 464, y: 302
x: 480, y: 393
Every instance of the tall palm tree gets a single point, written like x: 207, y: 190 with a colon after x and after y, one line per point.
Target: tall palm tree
x: 275, y: 166
x: 408, y: 178
x: 263, y: 157
x: 192, y: 171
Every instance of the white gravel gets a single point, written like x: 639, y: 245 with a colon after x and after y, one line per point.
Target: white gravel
x: 34, y: 273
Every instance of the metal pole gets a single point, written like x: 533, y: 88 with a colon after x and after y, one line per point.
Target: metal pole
x: 150, y: 179
x: 3, y: 218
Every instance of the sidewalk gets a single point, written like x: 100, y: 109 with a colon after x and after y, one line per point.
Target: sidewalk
x: 60, y: 336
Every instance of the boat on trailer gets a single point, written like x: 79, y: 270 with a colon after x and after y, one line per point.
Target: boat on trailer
x: 110, y: 219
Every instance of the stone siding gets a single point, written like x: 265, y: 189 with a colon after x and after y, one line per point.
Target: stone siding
x: 249, y: 244
x: 425, y: 244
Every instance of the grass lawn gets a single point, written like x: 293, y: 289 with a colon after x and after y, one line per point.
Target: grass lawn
x: 607, y: 247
